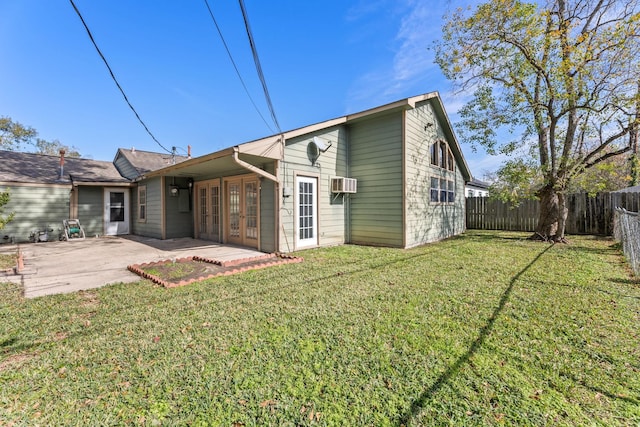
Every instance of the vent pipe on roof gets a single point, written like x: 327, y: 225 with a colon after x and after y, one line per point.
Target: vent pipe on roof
x: 133, y: 149
x: 62, y: 164
x: 188, y: 151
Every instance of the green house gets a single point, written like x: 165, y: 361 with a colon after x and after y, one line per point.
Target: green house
x: 390, y: 176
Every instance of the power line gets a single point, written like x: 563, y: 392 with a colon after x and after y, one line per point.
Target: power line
x: 114, y: 77
x: 256, y: 60
x: 235, y: 66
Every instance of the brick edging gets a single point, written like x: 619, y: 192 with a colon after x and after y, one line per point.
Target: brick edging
x: 269, y: 261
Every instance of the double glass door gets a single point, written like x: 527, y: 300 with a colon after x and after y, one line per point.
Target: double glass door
x: 242, y: 197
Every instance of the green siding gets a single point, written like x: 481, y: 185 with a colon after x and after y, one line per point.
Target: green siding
x: 267, y: 216
x: 331, y: 207
x: 125, y: 168
x: 152, y: 227
x: 35, y: 208
x: 425, y: 221
x: 376, y: 153
x: 90, y: 210
x: 179, y: 218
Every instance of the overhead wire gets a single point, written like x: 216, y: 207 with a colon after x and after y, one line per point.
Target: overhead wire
x: 256, y: 61
x: 215, y: 22
x: 86, y: 27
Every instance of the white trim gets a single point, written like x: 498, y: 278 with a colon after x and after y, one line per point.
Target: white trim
x: 113, y: 228
x: 311, y: 228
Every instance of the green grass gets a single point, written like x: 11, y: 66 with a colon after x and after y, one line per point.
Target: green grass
x: 8, y: 261
x: 483, y: 329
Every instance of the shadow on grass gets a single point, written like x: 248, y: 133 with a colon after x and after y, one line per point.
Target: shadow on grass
x: 603, y: 392
x: 631, y: 282
x: 418, y: 404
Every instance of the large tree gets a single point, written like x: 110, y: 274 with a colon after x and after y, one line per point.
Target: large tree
x: 561, y: 76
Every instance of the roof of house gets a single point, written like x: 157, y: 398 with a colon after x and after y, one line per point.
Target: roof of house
x: 478, y: 184
x: 272, y: 147
x: 45, y: 169
x: 147, y: 161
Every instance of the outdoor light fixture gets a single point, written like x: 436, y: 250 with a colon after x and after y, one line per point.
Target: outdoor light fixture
x: 175, y: 190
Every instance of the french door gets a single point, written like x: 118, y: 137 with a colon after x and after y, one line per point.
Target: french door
x: 306, y: 211
x: 208, y: 210
x: 242, y: 208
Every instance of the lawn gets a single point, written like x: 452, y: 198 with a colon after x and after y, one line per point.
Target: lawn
x: 482, y: 329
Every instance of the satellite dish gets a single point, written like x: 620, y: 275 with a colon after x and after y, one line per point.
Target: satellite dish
x: 322, y: 145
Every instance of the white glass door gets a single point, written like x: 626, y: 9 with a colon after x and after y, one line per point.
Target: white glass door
x: 306, y: 211
x: 116, y: 212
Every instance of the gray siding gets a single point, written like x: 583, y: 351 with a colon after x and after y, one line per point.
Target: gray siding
x: 331, y: 209
x: 426, y: 221
x: 35, y: 208
x: 125, y: 168
x: 376, y: 162
x: 178, y: 210
x: 152, y: 226
x: 90, y: 210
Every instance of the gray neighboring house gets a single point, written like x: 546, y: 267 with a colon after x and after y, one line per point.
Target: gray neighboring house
x: 393, y: 176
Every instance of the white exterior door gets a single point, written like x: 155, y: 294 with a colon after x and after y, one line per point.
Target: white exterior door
x: 116, y: 211
x: 306, y: 211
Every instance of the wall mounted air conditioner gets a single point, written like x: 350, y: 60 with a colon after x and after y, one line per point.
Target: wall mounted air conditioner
x: 344, y: 185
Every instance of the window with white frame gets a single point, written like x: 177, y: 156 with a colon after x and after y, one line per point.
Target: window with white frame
x: 442, y: 190
x: 142, y: 203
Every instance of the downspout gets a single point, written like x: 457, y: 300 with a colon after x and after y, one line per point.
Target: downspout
x: 253, y: 168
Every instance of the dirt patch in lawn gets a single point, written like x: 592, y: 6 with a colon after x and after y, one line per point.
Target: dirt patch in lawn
x: 183, y: 271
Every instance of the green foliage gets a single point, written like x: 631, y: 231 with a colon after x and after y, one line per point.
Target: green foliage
x: 560, y: 76
x: 53, y: 148
x: 4, y: 199
x: 15, y: 136
x: 609, y: 175
x: 635, y: 170
x: 514, y: 181
x: 469, y: 331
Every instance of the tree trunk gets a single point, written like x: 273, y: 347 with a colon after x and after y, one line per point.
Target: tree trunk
x: 553, y: 216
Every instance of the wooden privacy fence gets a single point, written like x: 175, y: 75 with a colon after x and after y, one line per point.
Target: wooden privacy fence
x: 587, y: 215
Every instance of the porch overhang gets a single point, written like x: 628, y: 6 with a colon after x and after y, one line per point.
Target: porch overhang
x: 232, y: 160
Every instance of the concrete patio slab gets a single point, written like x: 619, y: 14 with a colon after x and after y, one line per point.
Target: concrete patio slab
x: 62, y: 267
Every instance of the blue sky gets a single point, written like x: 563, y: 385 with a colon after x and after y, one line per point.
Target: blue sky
x: 321, y: 59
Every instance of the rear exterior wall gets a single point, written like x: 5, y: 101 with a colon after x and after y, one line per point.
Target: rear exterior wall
x: 151, y: 226
x: 36, y: 207
x: 376, y: 162
x: 300, y: 159
x: 428, y: 221
x: 91, y: 209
